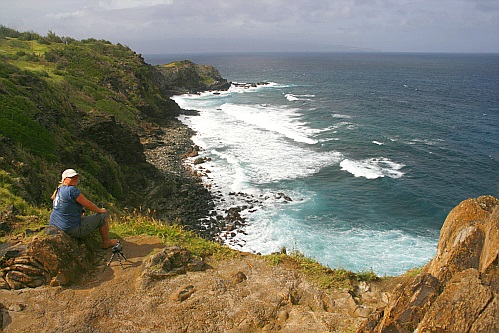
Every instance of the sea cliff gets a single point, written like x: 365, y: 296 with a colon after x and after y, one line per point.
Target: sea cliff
x: 99, y: 108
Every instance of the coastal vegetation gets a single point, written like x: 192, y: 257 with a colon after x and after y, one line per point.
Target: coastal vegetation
x: 70, y: 103
x: 96, y: 107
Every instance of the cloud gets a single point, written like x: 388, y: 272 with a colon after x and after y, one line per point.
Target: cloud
x: 126, y: 4
x: 402, y: 25
x: 62, y: 16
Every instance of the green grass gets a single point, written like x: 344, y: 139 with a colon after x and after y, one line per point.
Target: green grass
x: 7, y: 195
x: 325, y: 277
x: 171, y: 234
x: 26, y: 215
x: 414, y: 271
x: 180, y: 63
x: 121, y: 111
x: 16, y: 123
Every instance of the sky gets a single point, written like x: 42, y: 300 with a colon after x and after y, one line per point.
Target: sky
x: 197, y: 26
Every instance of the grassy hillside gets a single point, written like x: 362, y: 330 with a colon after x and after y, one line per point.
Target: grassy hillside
x: 80, y: 104
x: 68, y: 103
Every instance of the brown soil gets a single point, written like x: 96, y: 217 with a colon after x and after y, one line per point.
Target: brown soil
x: 244, y: 294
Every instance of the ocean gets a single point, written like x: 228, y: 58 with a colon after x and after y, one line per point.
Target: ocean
x: 355, y: 158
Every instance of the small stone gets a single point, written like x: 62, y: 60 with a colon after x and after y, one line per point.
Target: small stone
x: 385, y: 297
x: 54, y: 282
x: 184, y: 293
x: 239, y: 277
x: 282, y: 316
x: 16, y: 307
x: 362, y: 312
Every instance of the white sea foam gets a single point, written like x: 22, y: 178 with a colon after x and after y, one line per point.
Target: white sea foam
x: 280, y: 120
x: 378, y: 143
x: 344, y: 116
x: 329, y: 139
x: 293, y: 97
x: 390, y: 252
x: 428, y: 142
x: 208, y: 99
x: 254, y: 144
x: 341, y: 124
x: 373, y: 168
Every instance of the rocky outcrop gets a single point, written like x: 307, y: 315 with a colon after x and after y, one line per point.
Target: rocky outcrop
x: 238, y: 294
x: 468, y: 239
x: 458, y: 290
x: 187, y: 77
x: 170, y: 261
x: 51, y: 257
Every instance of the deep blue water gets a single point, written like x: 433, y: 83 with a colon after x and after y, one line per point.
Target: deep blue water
x: 374, y: 149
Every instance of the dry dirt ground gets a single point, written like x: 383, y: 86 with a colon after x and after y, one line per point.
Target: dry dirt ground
x: 244, y: 294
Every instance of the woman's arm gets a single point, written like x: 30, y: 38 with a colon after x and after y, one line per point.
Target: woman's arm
x: 89, y: 204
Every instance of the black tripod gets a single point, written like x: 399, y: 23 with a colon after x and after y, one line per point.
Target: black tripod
x: 117, y: 249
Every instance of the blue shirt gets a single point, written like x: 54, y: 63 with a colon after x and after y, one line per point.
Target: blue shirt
x: 66, y: 212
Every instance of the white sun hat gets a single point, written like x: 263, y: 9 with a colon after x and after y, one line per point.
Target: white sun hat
x: 68, y: 173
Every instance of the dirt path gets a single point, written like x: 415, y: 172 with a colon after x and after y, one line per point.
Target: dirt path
x: 78, y: 308
x: 244, y: 294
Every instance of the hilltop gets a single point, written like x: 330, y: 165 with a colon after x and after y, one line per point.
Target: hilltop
x: 100, y: 109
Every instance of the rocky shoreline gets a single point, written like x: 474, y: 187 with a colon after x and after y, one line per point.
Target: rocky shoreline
x: 219, y: 216
x: 223, y: 216
x: 168, y: 149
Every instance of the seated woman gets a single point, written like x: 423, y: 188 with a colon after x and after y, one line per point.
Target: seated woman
x: 67, y: 214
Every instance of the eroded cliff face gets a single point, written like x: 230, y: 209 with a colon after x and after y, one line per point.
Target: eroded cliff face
x: 187, y: 77
x: 458, y: 290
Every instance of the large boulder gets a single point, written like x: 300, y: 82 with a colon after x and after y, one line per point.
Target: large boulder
x: 458, y: 290
x: 51, y: 257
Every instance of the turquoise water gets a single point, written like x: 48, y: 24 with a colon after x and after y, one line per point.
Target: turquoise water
x: 373, y: 149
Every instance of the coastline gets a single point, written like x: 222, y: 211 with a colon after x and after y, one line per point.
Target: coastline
x: 199, y: 205
x: 187, y: 201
